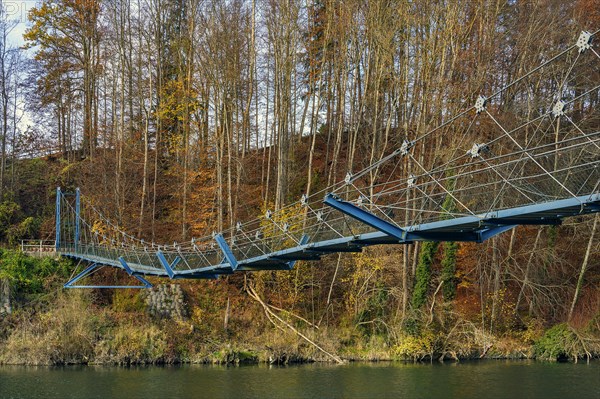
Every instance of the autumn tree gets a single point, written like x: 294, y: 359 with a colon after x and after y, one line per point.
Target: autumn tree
x: 9, y: 73
x: 67, y: 35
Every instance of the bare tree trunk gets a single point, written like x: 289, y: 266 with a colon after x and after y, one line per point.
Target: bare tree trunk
x: 584, y: 266
x: 526, y: 274
x: 145, y: 169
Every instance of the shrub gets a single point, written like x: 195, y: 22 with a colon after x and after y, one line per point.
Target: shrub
x: 27, y: 228
x: 133, y: 344
x: 128, y: 301
x: 416, y: 347
x: 423, y: 273
x: 64, y: 335
x: 29, y: 276
x: 449, y: 270
x: 560, y: 343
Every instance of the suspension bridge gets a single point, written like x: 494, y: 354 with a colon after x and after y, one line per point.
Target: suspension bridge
x: 525, y: 153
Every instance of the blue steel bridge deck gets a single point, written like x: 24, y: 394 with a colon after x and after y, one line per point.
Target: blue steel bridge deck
x: 477, y: 228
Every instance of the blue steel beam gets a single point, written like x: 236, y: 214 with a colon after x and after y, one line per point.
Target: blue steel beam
x: 90, y: 269
x: 553, y: 209
x: 211, y: 272
x: 138, y: 269
x: 303, y: 241
x: 226, y: 251
x: 142, y: 280
x: 85, y: 272
x: 57, y: 212
x: 524, y: 221
x: 108, y: 286
x: 125, y: 265
x: 346, y: 249
x: 131, y: 273
x: 489, y: 233
x: 77, y: 215
x: 165, y: 263
x: 364, y: 216
x: 197, y: 276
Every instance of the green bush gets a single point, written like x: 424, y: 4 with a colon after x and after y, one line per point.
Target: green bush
x: 423, y: 273
x: 561, y: 342
x: 449, y: 270
x: 369, y: 319
x: 9, y: 213
x: 26, y: 229
x: 128, y: 301
x: 416, y: 348
x: 30, y: 276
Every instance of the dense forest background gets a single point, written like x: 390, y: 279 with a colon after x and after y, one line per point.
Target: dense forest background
x: 180, y: 117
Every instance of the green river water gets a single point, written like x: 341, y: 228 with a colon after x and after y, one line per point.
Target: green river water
x: 482, y: 380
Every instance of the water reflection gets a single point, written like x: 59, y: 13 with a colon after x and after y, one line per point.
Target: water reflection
x: 485, y: 379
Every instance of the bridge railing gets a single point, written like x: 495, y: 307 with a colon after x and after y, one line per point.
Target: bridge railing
x: 38, y: 247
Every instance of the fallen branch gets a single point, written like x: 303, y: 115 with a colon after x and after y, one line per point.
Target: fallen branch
x: 294, y: 315
x: 272, y: 315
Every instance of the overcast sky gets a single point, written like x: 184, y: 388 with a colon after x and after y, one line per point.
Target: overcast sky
x: 17, y: 10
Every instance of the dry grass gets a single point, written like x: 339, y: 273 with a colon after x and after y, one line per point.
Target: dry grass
x: 65, y: 334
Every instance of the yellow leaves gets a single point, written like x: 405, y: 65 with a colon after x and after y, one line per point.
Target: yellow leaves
x: 198, y: 316
x: 368, y: 261
x: 464, y: 280
x: 177, y: 101
x: 367, y: 267
x: 415, y: 347
x: 98, y: 227
x: 289, y: 218
x: 62, y: 24
x: 500, y: 308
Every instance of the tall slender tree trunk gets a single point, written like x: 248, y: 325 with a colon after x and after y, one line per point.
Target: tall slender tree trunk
x: 584, y: 265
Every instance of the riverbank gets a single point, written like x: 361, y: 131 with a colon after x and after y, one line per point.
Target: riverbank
x: 230, y: 322
x: 69, y: 328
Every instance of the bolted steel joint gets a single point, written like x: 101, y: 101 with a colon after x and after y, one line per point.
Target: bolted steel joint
x: 476, y: 150
x: 584, y: 42
x: 320, y: 216
x: 361, y: 200
x: 348, y: 178
x: 406, y: 146
x: 558, y: 109
x: 480, y: 104
x: 304, y: 200
x: 412, y: 180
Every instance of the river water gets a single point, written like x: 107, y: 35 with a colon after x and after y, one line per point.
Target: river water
x: 481, y: 380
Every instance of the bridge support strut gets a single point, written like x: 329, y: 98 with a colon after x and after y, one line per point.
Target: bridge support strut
x: 169, y: 268
x: 227, y: 253
x: 365, y: 217
x: 95, y: 266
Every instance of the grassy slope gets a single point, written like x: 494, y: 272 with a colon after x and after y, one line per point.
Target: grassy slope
x: 51, y: 325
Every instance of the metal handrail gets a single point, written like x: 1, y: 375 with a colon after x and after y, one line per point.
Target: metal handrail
x: 38, y: 246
